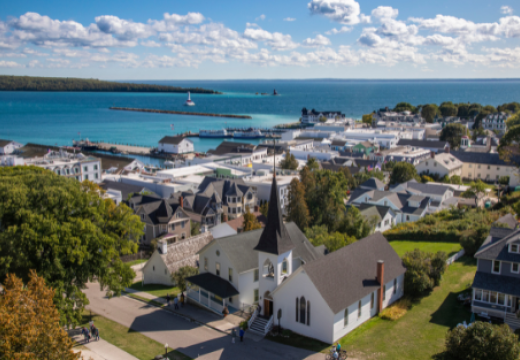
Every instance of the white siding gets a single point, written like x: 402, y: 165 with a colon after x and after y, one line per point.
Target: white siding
x: 247, y: 287
x: 354, y: 320
x: 185, y: 146
x: 156, y: 272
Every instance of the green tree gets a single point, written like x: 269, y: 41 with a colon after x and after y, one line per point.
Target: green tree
x: 264, y: 208
x: 513, y: 120
x: 194, y: 228
x: 402, y: 172
x: 316, y: 231
x: 250, y: 222
x: 367, y: 119
x: 29, y: 322
x: 323, y: 119
x: 463, y: 110
x: 481, y: 341
x: 453, y: 133
x: 313, y: 164
x: 476, y: 189
x: 512, y: 107
x: 326, y: 202
x: 179, y: 277
x: 297, y: 207
x: 490, y: 108
x: 333, y: 241
x: 65, y: 232
x: 481, y: 115
x: 455, y: 179
x: 351, y: 181
x: 428, y: 112
x: 423, y: 271
x: 474, y: 109
x: 404, y: 106
x: 448, y: 109
x: 354, y: 224
x: 472, y: 239
x: 289, y: 162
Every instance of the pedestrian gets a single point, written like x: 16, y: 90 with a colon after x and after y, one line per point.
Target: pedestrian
x: 241, y: 334
x: 176, y: 303
x: 338, y: 347
x: 167, y: 299
x: 233, y: 335
x: 95, y: 333
x: 91, y: 324
x: 84, y: 333
x: 87, y: 331
x: 182, y: 298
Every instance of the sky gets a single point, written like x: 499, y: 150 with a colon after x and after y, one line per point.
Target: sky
x: 233, y: 39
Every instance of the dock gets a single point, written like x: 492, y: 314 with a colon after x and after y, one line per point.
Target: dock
x: 172, y: 112
x: 124, y: 149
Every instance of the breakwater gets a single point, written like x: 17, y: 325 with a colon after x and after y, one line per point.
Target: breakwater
x: 182, y: 113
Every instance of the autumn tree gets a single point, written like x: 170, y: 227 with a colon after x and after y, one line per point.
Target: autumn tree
x: 297, y: 207
x: 65, y: 232
x: 250, y: 221
x: 264, y: 208
x: 30, y: 323
x: 367, y: 119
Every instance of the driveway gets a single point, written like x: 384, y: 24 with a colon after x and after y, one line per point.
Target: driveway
x: 198, y: 342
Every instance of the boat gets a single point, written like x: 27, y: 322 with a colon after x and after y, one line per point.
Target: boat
x: 275, y: 93
x: 214, y: 134
x: 189, y: 102
x: 248, y: 134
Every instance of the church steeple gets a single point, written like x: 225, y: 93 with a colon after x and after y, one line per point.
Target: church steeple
x: 274, y: 239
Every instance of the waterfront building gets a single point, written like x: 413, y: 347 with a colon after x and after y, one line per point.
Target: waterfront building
x: 8, y: 146
x: 176, y: 145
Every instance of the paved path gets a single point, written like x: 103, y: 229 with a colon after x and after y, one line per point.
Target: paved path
x: 102, y: 350
x: 198, y: 342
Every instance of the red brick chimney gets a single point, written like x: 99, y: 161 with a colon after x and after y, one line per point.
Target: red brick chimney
x: 381, y: 281
x: 181, y: 201
x: 432, y: 154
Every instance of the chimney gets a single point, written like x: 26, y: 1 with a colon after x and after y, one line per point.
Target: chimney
x: 447, y: 149
x: 163, y: 247
x: 181, y: 201
x: 381, y: 281
x: 432, y: 154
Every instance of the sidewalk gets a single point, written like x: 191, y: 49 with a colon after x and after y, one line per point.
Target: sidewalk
x: 195, y: 313
x: 101, y: 350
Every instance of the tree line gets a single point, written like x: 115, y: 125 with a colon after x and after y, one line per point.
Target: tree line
x: 32, y: 83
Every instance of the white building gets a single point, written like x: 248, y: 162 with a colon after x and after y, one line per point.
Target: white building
x: 487, y: 167
x: 313, y: 116
x: 316, y: 295
x: 176, y: 145
x: 8, y: 146
x: 444, y: 164
x: 263, y: 184
x: 495, y: 122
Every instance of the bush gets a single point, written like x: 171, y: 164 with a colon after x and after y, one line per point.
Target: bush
x: 471, y: 240
x: 426, y: 178
x: 424, y: 271
x: 396, y: 310
x: 243, y: 325
x: 482, y: 341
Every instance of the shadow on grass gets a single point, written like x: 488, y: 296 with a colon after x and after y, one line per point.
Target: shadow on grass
x: 451, y: 312
x: 287, y: 337
x: 467, y: 260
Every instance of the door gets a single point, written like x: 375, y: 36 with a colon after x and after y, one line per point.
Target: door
x: 268, y: 308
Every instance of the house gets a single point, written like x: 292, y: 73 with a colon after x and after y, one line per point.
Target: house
x: 8, y: 146
x: 262, y: 185
x: 241, y: 153
x: 496, y: 287
x: 176, y: 145
x: 440, y: 195
x: 364, y: 147
x: 161, y: 217
x: 412, y: 155
x: 373, y: 184
x: 445, y: 164
x: 435, y: 146
x: 407, y: 207
x: 314, y: 116
x: 171, y: 255
x: 496, y: 122
x: 383, y: 217
x: 486, y: 167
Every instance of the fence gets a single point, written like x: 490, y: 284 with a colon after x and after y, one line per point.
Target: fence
x: 455, y: 257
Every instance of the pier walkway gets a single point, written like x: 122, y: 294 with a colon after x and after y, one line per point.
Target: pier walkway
x: 129, y: 149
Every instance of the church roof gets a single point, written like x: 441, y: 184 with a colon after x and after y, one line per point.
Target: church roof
x: 275, y: 238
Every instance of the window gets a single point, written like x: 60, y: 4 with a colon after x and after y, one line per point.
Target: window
x: 217, y: 269
x: 501, y: 299
x: 492, y: 297
x: 255, y: 295
x: 229, y: 210
x: 359, y: 309
x: 489, y: 167
x: 206, y: 263
x: 284, y: 266
x: 231, y: 300
x: 395, y: 286
x: 308, y: 313
x: 96, y: 176
x: 95, y: 167
x: 297, y: 308
x: 478, y: 295
x: 86, y: 177
x: 498, y: 168
x: 256, y: 275
x: 407, y: 217
x: 478, y: 167
x: 387, y: 222
x: 182, y: 224
x: 85, y: 168
x: 470, y: 166
x: 515, y: 268
x: 230, y: 275
x: 384, y: 292
x: 485, y: 295
x: 76, y: 170
x: 142, y: 216
x: 478, y: 175
x: 302, y: 310
x: 513, y: 248
x: 172, y: 227
x: 372, y: 300
x: 345, y: 318
x: 496, y: 267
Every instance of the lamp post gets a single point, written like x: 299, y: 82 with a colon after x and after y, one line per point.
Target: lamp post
x: 166, y: 351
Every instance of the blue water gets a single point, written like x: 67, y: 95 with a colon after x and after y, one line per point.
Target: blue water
x: 58, y: 118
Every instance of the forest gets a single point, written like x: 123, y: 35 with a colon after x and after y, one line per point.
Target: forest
x: 31, y: 83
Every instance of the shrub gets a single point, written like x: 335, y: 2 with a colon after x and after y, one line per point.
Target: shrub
x: 424, y: 271
x: 471, y: 240
x: 396, y: 310
x: 426, y: 178
x: 243, y: 325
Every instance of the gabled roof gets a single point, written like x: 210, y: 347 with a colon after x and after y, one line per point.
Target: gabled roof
x: 349, y: 274
x: 413, y: 186
x: 172, y: 140
x: 5, y: 142
x: 373, y: 183
x: 481, y: 158
x: 234, y: 190
x: 509, y: 220
x: 229, y: 147
x: 495, y: 248
x: 274, y: 239
x: 448, y: 160
x: 126, y: 189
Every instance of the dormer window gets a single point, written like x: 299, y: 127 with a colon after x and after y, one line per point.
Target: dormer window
x: 513, y: 248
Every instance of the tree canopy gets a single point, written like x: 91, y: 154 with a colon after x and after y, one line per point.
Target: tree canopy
x: 289, y: 162
x: 423, y: 271
x: 453, y: 133
x: 402, y: 172
x: 179, y: 277
x: 367, y: 119
x: 65, y: 232
x: 30, y: 323
x: 476, y: 189
x: 404, y: 106
x: 297, y: 208
x: 448, y: 109
x: 250, y: 221
x: 428, y: 112
x: 318, y: 235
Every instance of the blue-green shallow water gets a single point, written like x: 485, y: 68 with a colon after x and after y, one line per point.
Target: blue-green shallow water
x: 57, y: 118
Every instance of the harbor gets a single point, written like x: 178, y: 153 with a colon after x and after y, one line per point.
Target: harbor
x: 172, y: 112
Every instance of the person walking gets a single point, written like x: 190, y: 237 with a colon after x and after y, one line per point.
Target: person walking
x: 233, y: 335
x: 167, y: 299
x: 241, y: 334
x: 84, y: 333
x: 182, y: 298
x: 176, y: 303
x: 338, y: 347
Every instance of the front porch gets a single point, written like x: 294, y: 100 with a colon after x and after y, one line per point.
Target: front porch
x: 494, y: 305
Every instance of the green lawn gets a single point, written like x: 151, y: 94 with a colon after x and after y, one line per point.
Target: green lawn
x: 421, y: 332
x: 403, y: 246
x: 156, y: 290
x: 134, y: 343
x: 135, y: 262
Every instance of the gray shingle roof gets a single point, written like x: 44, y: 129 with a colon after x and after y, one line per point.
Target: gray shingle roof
x: 214, y: 284
x: 5, y: 142
x: 173, y: 140
x: 349, y: 274
x: 424, y: 188
x: 126, y: 189
x: 230, y: 147
x: 481, y: 158
x: 504, y: 284
x: 509, y: 220
x: 373, y: 183
x: 423, y: 143
x: 495, y: 246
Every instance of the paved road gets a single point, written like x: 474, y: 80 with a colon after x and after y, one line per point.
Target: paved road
x: 187, y: 337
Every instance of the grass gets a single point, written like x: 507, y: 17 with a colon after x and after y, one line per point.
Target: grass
x: 148, y: 301
x: 403, y: 246
x: 135, y: 262
x: 397, y: 310
x: 290, y: 338
x: 156, y: 290
x: 134, y: 343
x: 420, y: 333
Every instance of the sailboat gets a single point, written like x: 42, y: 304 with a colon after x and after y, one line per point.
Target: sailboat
x: 189, y: 102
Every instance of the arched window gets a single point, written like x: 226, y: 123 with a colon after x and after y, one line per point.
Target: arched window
x: 345, y: 318
x: 268, y: 270
x: 297, y: 309
x: 308, y: 313
x: 285, y: 266
x: 395, y: 286
x: 372, y: 300
x: 302, y: 310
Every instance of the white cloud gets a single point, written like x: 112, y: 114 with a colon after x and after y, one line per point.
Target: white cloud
x: 343, y: 11
x: 509, y: 26
x: 508, y: 10
x: 123, y: 29
x: 12, y: 55
x: 33, y: 52
x: 289, y: 19
x: 171, y: 22
x: 341, y: 30
x: 319, y: 40
x: 150, y: 43
x: 385, y: 12
x: 261, y: 17
x: 276, y: 40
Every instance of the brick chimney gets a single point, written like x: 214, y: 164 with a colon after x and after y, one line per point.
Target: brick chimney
x: 381, y: 281
x: 447, y: 149
x: 181, y: 201
x: 432, y: 154
x: 257, y: 208
x: 224, y: 218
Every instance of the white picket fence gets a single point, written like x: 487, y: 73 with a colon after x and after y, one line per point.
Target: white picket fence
x: 455, y: 257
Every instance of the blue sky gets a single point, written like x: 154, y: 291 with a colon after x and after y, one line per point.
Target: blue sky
x: 261, y: 39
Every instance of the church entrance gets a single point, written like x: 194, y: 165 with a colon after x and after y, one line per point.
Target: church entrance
x: 268, y: 308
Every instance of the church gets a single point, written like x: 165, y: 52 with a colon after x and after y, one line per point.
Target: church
x: 295, y: 284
